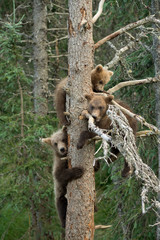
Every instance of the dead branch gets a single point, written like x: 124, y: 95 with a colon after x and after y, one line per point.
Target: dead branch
x: 100, y: 9
x: 145, y: 133
x: 116, y: 58
x: 57, y: 13
x: 55, y: 56
x: 96, y: 16
x: 132, y: 83
x: 127, y: 28
x: 62, y: 38
x: 102, y: 226
x: 138, y: 117
x: 57, y: 29
x: 65, y: 9
x: 123, y: 139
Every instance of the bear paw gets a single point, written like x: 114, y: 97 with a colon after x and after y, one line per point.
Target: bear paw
x: 80, y: 145
x: 78, y: 172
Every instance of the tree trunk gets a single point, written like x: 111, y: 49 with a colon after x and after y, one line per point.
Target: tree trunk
x: 80, y: 193
x: 40, y: 86
x: 156, y: 58
x: 40, y: 57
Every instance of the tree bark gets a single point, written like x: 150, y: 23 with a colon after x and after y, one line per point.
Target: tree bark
x: 80, y: 193
x: 156, y: 58
x: 40, y: 57
x: 40, y: 85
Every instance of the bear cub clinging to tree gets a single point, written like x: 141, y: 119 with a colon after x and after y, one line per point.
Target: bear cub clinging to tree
x: 97, y: 107
x: 99, y: 77
x: 61, y: 173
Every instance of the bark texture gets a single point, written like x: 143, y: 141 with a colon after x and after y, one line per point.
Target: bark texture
x: 156, y: 58
x: 40, y: 57
x: 80, y: 193
x: 40, y: 88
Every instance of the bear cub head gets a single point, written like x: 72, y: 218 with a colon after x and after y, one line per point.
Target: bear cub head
x: 58, y: 141
x: 100, y: 76
x: 98, y: 105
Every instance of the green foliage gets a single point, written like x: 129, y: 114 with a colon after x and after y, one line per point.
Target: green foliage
x: 26, y: 184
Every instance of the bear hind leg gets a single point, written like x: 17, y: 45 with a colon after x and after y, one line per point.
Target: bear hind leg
x: 61, y: 203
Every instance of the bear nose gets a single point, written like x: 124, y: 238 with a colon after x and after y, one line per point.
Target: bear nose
x: 62, y: 150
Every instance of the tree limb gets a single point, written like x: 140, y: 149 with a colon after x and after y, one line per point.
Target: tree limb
x: 65, y: 37
x: 96, y: 16
x: 102, y: 226
x: 100, y: 9
x: 132, y: 83
x: 116, y: 58
x: 126, y: 28
x: 138, y: 117
x: 144, y: 133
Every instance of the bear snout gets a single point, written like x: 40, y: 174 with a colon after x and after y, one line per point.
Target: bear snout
x: 96, y: 117
x: 62, y: 150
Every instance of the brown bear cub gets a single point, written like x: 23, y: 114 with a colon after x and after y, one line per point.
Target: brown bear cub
x: 61, y: 173
x: 97, y: 107
x: 99, y: 77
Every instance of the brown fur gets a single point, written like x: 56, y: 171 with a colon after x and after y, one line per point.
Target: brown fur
x: 97, y: 107
x: 99, y: 77
x: 61, y: 173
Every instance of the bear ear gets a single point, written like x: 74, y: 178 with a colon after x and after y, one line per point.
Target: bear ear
x: 89, y: 96
x: 110, y: 73
x: 99, y: 68
x: 47, y: 140
x: 109, y: 98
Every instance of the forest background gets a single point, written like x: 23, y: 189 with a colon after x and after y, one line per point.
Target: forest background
x: 27, y: 208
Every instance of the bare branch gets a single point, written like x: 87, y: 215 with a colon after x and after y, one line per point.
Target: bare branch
x: 57, y: 13
x: 127, y: 28
x: 124, y: 140
x: 138, y: 117
x: 102, y: 226
x: 96, y: 16
x: 54, y: 56
x: 100, y: 9
x: 132, y: 83
x: 145, y: 133
x: 116, y: 59
x: 57, y: 29
x: 62, y: 38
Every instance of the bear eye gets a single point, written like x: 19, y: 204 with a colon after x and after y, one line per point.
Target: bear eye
x: 100, y: 108
x: 101, y: 82
x: 63, y: 140
x: 55, y: 144
x: 92, y: 108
